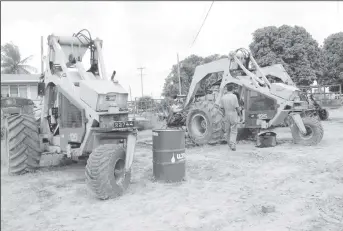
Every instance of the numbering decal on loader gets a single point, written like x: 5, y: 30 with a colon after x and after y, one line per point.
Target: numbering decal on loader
x: 258, y: 116
x: 262, y: 116
x: 122, y: 124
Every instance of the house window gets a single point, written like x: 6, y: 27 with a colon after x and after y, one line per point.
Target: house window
x: 23, y: 91
x: 34, y: 91
x: 5, y: 91
x: 14, y: 90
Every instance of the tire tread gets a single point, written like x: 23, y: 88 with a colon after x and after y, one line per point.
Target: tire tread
x: 23, y: 144
x: 98, y: 168
x: 316, y: 126
x: 214, y: 114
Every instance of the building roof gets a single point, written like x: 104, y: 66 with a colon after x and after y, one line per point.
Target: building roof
x: 19, y: 78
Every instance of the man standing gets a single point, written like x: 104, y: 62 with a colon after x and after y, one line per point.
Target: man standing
x: 230, y: 104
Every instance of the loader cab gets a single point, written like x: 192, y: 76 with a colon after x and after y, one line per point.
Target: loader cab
x: 66, y: 121
x: 257, y: 106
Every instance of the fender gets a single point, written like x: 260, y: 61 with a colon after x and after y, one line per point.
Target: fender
x: 130, y: 150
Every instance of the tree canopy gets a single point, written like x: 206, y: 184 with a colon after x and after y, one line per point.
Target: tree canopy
x: 145, y: 102
x: 12, y: 62
x: 333, y: 55
x: 293, y: 47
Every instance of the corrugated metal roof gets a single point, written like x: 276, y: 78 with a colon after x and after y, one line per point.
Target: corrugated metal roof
x: 16, y: 78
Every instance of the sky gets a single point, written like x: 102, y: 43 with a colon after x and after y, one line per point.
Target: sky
x: 150, y: 34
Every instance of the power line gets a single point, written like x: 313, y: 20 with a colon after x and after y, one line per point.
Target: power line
x: 203, y: 23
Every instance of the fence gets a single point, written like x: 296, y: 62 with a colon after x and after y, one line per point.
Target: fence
x: 326, y: 95
x: 143, y: 106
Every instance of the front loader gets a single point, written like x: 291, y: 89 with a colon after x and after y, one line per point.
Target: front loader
x: 84, y: 115
x: 268, y: 103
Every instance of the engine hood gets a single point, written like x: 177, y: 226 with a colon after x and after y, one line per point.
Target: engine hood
x: 284, y: 91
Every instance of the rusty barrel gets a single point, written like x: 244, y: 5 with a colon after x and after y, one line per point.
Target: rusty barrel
x: 169, y: 164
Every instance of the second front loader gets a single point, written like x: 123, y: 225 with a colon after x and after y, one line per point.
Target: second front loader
x: 269, y: 97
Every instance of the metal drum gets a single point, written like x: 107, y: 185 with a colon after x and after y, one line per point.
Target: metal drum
x: 169, y: 162
x: 266, y: 140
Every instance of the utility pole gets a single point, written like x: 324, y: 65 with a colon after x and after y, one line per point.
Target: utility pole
x: 178, y: 72
x: 130, y: 93
x: 41, y: 54
x: 141, y: 68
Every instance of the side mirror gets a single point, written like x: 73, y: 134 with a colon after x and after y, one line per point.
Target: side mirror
x: 41, y: 89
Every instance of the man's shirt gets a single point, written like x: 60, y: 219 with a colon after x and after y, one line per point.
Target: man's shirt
x: 229, y: 102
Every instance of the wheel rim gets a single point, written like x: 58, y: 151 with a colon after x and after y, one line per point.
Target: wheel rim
x: 309, y: 133
x: 119, y: 171
x: 199, y: 125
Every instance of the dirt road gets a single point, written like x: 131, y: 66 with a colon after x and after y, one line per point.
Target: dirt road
x: 224, y: 191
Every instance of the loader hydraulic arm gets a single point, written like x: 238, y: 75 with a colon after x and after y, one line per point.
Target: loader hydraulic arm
x: 225, y: 65
x: 97, y: 43
x: 254, y: 77
x: 69, y: 50
x: 202, y: 72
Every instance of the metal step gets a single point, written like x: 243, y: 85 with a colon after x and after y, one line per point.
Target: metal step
x: 53, y: 153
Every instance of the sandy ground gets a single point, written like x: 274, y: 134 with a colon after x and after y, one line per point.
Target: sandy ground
x: 223, y: 191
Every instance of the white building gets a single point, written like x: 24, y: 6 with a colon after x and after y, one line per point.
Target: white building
x: 20, y: 85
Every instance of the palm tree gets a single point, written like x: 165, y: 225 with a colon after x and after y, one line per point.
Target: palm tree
x: 11, y: 62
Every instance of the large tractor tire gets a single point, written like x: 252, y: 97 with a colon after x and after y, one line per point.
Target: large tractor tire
x: 105, y: 171
x: 23, y: 145
x: 323, y: 114
x: 205, y: 123
x: 247, y: 134
x: 314, y: 134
